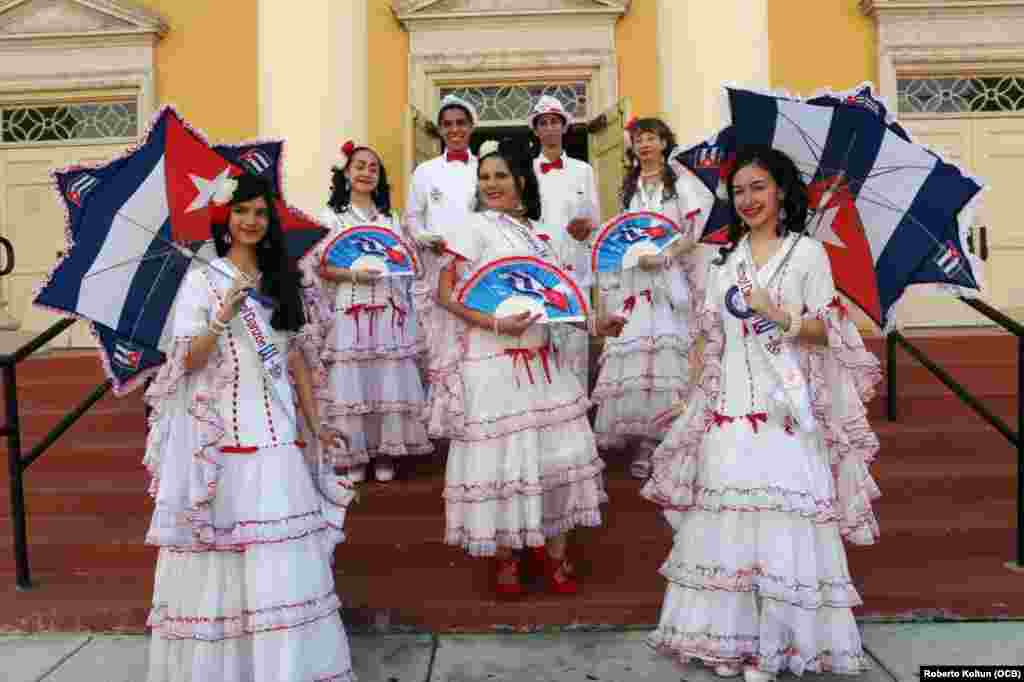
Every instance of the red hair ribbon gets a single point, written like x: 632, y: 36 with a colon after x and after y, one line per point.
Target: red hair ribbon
x: 348, y: 148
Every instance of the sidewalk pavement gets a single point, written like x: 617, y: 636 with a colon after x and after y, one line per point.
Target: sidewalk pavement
x: 896, y: 651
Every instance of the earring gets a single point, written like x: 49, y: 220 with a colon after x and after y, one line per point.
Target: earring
x: 227, y: 238
x: 782, y: 214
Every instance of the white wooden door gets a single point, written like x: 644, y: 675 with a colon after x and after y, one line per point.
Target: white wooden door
x: 32, y: 217
x: 607, y: 154
x: 956, y: 140
x: 999, y: 159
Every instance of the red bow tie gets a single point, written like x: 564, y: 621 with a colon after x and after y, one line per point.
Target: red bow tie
x: 545, y: 166
x: 462, y: 156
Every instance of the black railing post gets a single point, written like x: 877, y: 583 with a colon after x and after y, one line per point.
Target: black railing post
x: 890, y: 374
x: 23, y: 579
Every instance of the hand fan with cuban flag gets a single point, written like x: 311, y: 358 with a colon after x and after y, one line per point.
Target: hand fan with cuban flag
x: 514, y: 285
x: 626, y: 237
x: 371, y: 247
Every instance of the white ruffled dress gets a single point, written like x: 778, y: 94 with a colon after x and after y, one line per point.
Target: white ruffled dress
x: 374, y: 391
x: 246, y: 520
x: 523, y: 464
x: 760, y: 507
x: 646, y: 369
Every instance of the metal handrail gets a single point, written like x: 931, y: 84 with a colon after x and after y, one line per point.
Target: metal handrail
x: 16, y: 463
x: 1015, y: 438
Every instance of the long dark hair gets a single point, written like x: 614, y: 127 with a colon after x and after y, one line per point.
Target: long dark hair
x: 280, y: 278
x: 631, y: 182
x: 786, y: 175
x: 341, y: 188
x: 520, y: 164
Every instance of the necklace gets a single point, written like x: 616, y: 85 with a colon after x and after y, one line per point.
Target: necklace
x: 367, y: 217
x: 650, y: 201
x: 524, y: 231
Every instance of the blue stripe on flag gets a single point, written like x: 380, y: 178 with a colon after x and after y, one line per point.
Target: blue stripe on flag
x: 121, y: 183
x: 759, y: 115
x: 942, y: 194
x: 151, y: 295
x: 852, y: 146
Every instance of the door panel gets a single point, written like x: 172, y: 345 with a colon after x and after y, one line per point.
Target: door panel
x: 32, y: 216
x: 927, y: 305
x: 608, y: 155
x: 998, y: 160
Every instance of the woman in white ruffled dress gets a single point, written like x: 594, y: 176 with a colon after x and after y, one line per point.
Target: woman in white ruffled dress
x: 764, y: 472
x: 245, y: 520
x: 523, y: 468
x: 646, y: 369
x: 369, y: 328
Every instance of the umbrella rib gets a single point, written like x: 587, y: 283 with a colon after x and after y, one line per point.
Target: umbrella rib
x: 149, y: 294
x: 130, y: 261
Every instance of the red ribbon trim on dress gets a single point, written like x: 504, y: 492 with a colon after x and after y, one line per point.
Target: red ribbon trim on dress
x: 398, y: 315
x: 837, y: 305
x: 630, y: 302
x: 371, y: 311
x: 249, y: 449
x: 528, y: 354
x: 718, y: 419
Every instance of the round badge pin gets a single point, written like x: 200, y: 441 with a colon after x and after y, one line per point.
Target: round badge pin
x: 736, y: 304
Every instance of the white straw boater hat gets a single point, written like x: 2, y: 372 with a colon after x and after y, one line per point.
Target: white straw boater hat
x: 450, y: 101
x: 548, y: 105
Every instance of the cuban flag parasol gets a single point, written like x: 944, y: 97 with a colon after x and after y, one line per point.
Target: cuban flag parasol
x: 136, y: 225
x: 371, y: 247
x: 623, y: 239
x: 510, y: 286
x: 266, y: 159
x: 890, y: 213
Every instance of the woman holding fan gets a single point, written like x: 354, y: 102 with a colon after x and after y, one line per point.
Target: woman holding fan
x: 369, y: 327
x: 764, y: 472
x: 523, y: 468
x: 246, y: 524
x: 646, y: 369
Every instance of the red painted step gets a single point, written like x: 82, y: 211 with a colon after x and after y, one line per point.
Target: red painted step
x: 947, y: 516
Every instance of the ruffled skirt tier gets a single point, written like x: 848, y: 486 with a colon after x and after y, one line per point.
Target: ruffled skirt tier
x: 757, y: 572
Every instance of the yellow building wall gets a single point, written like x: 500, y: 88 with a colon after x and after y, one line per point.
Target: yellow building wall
x: 206, y: 65
x: 388, y: 93
x: 839, y: 53
x: 637, y: 47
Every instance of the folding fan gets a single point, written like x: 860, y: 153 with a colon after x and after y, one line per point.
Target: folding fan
x: 509, y: 286
x: 623, y: 239
x: 371, y: 247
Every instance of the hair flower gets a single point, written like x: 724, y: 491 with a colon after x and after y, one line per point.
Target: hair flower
x: 488, y: 147
x: 225, y: 191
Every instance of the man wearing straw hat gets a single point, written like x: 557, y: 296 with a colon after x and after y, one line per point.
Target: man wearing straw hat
x: 569, y: 204
x: 441, y: 197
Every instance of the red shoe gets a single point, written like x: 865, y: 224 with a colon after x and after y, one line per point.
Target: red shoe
x: 510, y: 590
x: 560, y: 584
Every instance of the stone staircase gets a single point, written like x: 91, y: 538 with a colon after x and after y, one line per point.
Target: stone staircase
x: 947, y: 516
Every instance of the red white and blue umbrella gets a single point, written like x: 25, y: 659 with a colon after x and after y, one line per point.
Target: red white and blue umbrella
x: 510, y: 286
x: 890, y: 213
x: 623, y: 239
x: 135, y: 226
x: 371, y: 247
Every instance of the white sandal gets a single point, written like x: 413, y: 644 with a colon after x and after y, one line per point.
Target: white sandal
x: 728, y: 670
x: 640, y: 467
x: 384, y: 470
x: 752, y: 674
